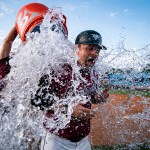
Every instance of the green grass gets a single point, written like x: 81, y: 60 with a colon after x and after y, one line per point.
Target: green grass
x: 129, y: 91
x: 145, y: 146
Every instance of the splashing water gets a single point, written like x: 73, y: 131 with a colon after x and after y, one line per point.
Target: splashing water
x: 44, y: 50
x: 125, y: 118
x: 20, y: 122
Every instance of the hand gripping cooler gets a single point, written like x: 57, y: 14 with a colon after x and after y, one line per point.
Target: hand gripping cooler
x: 30, y: 17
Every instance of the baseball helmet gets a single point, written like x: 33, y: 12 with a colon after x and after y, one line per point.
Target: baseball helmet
x: 90, y: 37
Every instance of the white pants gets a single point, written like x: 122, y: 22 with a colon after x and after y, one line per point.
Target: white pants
x: 53, y: 142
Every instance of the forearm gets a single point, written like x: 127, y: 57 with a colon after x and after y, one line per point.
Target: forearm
x: 100, y: 98
x: 6, y: 47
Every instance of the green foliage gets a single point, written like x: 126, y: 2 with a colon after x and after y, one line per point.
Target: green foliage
x: 144, y: 93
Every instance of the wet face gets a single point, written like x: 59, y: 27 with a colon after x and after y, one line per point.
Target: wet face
x: 88, y: 54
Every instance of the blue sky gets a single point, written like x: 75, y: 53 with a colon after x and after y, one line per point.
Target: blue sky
x: 116, y: 20
x: 112, y: 18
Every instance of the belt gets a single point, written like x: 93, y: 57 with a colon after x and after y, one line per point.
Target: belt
x: 75, y: 140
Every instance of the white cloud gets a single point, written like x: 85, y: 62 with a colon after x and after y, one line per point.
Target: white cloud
x: 5, y: 9
x: 126, y: 10
x: 1, y: 14
x: 1, y: 31
x: 72, y: 7
x: 68, y: 6
x: 1, y: 36
x: 113, y: 14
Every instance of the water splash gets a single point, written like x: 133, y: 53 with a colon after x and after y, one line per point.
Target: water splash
x: 20, y: 122
x: 125, y: 118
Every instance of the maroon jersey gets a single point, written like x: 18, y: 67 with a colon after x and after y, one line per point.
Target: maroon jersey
x: 61, y: 86
x: 4, y: 70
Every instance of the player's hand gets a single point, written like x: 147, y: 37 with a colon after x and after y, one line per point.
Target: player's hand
x: 81, y: 112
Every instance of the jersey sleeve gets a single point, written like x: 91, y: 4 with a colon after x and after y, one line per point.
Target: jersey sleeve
x: 4, y: 70
x: 4, y: 67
